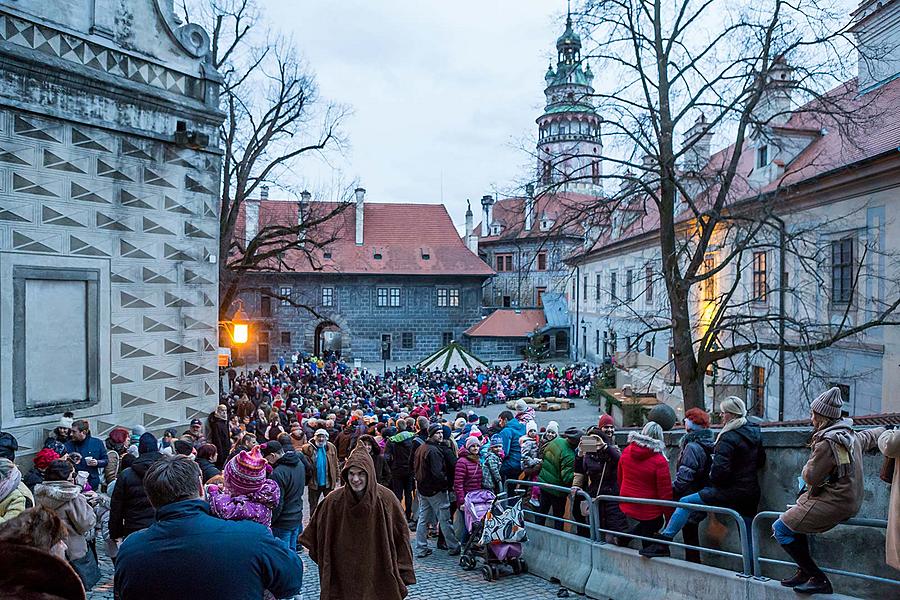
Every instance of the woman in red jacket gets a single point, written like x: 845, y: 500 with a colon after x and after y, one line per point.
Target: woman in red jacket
x: 644, y: 473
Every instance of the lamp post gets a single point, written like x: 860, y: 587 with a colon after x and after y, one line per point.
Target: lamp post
x: 385, y: 354
x: 584, y: 338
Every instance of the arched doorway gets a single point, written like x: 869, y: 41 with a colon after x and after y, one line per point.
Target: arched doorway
x: 328, y: 339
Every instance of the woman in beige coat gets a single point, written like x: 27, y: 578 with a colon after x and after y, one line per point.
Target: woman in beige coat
x: 889, y: 444
x: 60, y: 494
x: 15, y: 496
x: 833, y: 478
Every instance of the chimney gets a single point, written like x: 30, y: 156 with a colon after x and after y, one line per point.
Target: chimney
x: 251, y: 219
x: 698, y: 137
x: 487, y: 204
x: 529, y: 207
x: 360, y: 210
x: 470, y: 239
x: 263, y: 193
x: 302, y: 209
x: 774, y: 106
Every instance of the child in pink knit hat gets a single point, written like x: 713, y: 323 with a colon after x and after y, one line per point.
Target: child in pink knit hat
x: 247, y: 494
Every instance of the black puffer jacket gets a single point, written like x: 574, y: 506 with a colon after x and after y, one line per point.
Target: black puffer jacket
x: 432, y: 466
x: 694, y: 460
x: 129, y: 508
x: 207, y: 469
x: 290, y: 475
x: 733, y: 481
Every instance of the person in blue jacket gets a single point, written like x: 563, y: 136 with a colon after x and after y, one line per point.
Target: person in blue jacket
x: 192, y: 554
x: 510, y: 433
x: 92, y: 451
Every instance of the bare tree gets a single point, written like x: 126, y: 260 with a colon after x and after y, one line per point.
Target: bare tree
x: 274, y: 119
x: 742, y: 72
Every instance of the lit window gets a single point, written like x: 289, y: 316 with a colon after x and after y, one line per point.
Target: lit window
x: 760, y: 289
x: 442, y: 296
x: 285, y: 294
x: 381, y: 297
x: 328, y: 296
x: 709, y: 284
x: 395, y: 296
x: 454, y: 297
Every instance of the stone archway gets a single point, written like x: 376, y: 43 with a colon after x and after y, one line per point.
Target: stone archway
x: 328, y: 338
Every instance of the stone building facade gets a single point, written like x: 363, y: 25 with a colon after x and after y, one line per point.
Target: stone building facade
x: 109, y: 172
x: 402, y: 280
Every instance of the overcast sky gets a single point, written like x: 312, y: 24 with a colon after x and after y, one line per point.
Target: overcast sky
x: 440, y: 91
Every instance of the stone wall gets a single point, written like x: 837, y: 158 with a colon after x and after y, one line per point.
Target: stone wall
x: 496, y: 349
x: 521, y: 283
x: 361, y: 321
x: 96, y: 195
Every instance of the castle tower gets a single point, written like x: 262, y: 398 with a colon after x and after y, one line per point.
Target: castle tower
x: 569, y: 146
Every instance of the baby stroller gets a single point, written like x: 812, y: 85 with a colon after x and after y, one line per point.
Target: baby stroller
x: 496, y: 534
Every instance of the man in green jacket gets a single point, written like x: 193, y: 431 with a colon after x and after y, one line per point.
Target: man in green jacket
x: 558, y: 468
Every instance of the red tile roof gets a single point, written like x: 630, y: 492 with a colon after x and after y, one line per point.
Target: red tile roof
x: 566, y: 209
x: 402, y: 234
x: 835, y: 145
x: 508, y: 323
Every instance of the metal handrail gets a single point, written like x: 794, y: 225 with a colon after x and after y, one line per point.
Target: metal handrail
x: 592, y: 517
x: 858, y: 522
x: 742, y: 526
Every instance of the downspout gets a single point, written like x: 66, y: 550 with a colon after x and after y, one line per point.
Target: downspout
x: 577, y: 309
x: 782, y: 295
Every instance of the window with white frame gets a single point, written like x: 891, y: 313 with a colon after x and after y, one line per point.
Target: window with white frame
x: 454, y: 296
x: 395, y: 297
x: 285, y: 296
x: 443, y: 297
x: 327, y: 296
x: 381, y: 297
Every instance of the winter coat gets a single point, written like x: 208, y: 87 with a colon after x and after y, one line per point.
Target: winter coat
x: 433, y: 472
x: 590, y: 468
x: 111, y: 470
x: 558, y: 467
x: 225, y: 560
x: 491, y: 479
x: 15, y: 502
x: 889, y: 444
x: 90, y: 447
x: 37, y: 574
x: 468, y: 476
x: 830, y: 499
x: 694, y: 461
x: 644, y: 473
x: 129, y: 508
x: 290, y: 475
x: 382, y: 470
x: 310, y: 451
x: 733, y: 482
x: 207, y: 469
x: 399, y: 452
x: 33, y: 477
x: 219, y: 436
x: 349, y: 536
x: 529, y: 449
x: 512, y: 451
x: 257, y: 506
x: 66, y: 500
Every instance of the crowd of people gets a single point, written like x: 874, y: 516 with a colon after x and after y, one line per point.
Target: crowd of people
x: 370, y: 459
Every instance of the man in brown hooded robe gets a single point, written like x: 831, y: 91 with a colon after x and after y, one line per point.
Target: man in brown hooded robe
x: 359, y: 538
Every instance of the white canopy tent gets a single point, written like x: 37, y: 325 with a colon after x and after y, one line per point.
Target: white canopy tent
x: 452, y: 356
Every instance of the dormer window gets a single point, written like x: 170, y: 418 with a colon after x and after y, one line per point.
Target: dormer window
x: 377, y: 256
x: 762, y: 156
x: 546, y: 224
x: 326, y: 254
x: 426, y: 254
x: 495, y: 229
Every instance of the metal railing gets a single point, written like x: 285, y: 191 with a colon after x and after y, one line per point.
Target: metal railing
x: 772, y: 515
x: 744, y: 555
x: 593, y: 519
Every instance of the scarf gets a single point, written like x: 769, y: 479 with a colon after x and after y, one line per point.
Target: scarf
x: 736, y: 423
x: 12, y: 481
x: 840, y: 438
x: 321, y: 467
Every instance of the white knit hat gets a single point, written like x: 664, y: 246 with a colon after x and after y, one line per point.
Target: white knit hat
x: 66, y: 422
x: 530, y: 426
x: 553, y: 426
x: 521, y: 405
x: 321, y: 432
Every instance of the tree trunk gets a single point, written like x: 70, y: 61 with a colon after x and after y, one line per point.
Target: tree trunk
x: 690, y: 376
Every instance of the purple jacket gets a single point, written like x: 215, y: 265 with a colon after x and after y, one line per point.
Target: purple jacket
x: 255, y: 507
x: 467, y: 477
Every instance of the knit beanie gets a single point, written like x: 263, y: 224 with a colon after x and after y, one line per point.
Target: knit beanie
x: 147, y: 443
x: 531, y: 426
x: 521, y: 405
x: 459, y: 423
x: 473, y: 441
x: 605, y: 420
x: 434, y: 428
x: 496, y: 440
x: 829, y: 404
x: 245, y: 473
x: 118, y: 435
x: 475, y: 432
x: 734, y: 405
x: 44, y: 458
x: 553, y: 427
x: 66, y: 422
x: 321, y: 432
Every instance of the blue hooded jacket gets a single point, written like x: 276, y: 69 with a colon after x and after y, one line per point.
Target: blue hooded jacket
x: 192, y: 554
x: 511, y: 450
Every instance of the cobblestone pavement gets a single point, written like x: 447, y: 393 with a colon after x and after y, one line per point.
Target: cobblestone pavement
x: 582, y: 415
x: 439, y: 578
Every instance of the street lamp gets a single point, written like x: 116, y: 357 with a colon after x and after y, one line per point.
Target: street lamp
x: 239, y: 325
x: 385, y: 353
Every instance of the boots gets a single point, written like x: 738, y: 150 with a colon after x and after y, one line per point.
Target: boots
x: 799, y: 577
x: 655, y: 550
x: 817, y: 582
